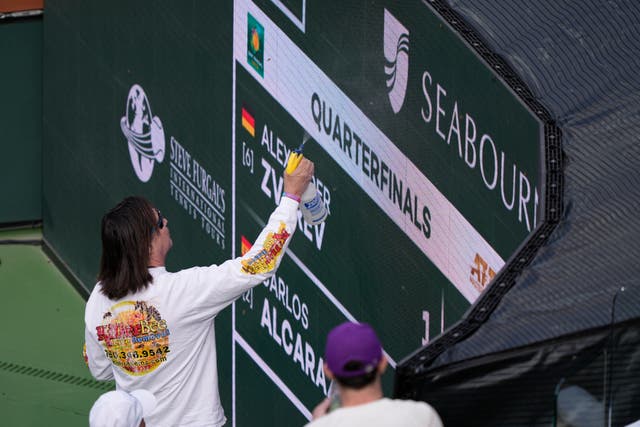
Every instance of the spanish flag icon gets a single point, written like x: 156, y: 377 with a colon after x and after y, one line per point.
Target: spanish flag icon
x: 248, y: 122
x: 245, y: 245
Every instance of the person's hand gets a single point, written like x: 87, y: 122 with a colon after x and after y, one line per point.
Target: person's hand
x: 296, y: 182
x: 321, y: 409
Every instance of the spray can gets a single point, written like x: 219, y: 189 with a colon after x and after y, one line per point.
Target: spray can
x: 312, y: 205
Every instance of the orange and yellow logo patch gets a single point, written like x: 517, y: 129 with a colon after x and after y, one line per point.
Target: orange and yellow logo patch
x: 481, y: 273
x: 135, y: 337
x: 266, y: 259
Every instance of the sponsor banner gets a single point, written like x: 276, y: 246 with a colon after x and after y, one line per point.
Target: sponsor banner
x: 363, y: 151
x: 190, y: 184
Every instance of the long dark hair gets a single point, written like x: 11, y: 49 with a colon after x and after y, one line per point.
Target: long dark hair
x: 127, y: 230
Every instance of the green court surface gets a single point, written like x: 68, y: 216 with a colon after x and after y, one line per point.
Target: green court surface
x: 43, y: 378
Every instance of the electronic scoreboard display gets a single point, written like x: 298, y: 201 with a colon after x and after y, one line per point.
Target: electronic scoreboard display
x: 427, y: 163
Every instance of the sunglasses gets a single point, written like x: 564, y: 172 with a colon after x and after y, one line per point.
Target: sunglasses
x: 160, y: 224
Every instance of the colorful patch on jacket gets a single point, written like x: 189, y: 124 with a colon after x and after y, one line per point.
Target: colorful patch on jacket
x: 135, y: 337
x: 84, y: 354
x: 265, y: 260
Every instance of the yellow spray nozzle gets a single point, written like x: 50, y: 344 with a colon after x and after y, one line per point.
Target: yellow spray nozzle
x: 294, y: 160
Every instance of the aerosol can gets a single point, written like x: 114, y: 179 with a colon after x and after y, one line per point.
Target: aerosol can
x: 312, y: 206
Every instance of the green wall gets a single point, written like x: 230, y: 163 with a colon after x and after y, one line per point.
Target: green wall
x: 21, y: 120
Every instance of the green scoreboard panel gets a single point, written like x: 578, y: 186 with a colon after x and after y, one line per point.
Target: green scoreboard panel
x: 429, y: 167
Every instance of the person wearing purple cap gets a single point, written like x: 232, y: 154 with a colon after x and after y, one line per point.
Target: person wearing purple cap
x: 355, y: 361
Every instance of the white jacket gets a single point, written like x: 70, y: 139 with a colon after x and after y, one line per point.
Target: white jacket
x: 162, y: 338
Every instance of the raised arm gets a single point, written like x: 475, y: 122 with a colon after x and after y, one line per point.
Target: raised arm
x: 219, y: 285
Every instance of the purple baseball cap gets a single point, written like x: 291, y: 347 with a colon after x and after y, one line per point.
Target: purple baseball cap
x: 352, y: 342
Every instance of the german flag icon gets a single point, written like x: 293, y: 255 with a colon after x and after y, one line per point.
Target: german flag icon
x: 248, y: 122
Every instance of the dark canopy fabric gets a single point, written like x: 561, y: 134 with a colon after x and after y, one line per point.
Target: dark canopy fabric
x: 581, y: 61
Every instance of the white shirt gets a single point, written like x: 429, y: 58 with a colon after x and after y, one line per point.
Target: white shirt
x: 162, y: 338
x: 381, y: 413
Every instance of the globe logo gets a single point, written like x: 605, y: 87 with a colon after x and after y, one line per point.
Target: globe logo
x: 144, y: 133
x: 396, y: 53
